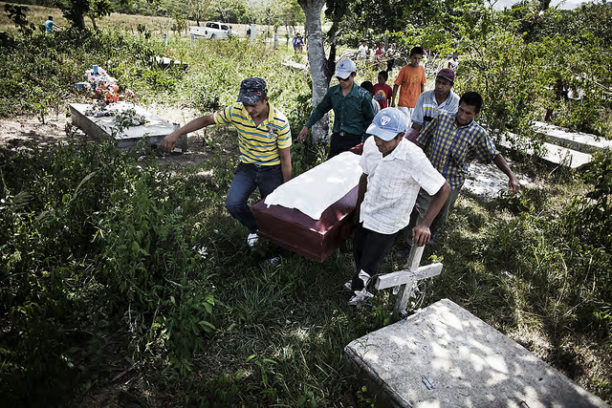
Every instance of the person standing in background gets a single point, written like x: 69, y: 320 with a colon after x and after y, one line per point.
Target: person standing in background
x: 411, y: 83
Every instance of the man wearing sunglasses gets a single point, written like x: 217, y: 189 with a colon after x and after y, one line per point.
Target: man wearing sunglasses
x: 352, y: 107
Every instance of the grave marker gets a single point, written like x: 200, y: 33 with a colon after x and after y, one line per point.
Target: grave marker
x: 443, y: 356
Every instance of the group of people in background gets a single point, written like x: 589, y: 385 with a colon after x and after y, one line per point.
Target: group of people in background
x: 416, y: 148
x: 380, y: 54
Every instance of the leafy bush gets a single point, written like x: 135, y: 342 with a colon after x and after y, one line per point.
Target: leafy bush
x: 96, y: 259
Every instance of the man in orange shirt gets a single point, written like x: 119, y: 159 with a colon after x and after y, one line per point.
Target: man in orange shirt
x: 411, y: 78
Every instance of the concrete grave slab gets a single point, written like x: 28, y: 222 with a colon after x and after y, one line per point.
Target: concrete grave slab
x: 444, y: 356
x: 106, y: 128
x: 580, y: 141
x: 487, y: 181
x: 555, y: 154
x: 294, y: 65
x: 166, y: 62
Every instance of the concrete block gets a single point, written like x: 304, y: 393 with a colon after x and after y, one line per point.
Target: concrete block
x: 580, y: 141
x: 105, y: 127
x: 555, y: 154
x: 443, y: 356
x: 165, y: 62
x: 294, y: 65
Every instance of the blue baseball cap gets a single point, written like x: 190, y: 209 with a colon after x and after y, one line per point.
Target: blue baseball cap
x: 252, y: 90
x: 344, y: 68
x: 387, y: 124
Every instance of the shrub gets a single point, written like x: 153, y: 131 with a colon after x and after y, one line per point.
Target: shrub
x: 96, y: 260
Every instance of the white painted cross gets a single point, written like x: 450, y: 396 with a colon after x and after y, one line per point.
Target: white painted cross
x: 406, y: 278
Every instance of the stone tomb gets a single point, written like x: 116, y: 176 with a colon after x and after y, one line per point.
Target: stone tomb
x: 443, y: 356
x: 106, y: 127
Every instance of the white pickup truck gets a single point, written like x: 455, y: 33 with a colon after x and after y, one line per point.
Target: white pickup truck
x: 212, y: 30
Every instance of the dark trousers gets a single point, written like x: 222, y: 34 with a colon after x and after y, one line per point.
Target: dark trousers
x: 339, y: 144
x: 420, y: 209
x: 390, y: 63
x: 369, y: 250
x: 246, y: 178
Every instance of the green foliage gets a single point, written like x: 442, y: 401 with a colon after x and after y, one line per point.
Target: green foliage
x: 40, y: 71
x: 94, y: 251
x: 74, y: 11
x: 589, y: 214
x: 17, y: 14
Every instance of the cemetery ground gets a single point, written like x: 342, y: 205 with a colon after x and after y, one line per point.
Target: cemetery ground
x: 126, y: 283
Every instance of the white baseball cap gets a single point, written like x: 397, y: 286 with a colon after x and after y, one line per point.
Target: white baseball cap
x: 344, y: 68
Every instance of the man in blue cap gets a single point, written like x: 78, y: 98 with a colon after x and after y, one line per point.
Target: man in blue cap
x: 394, y: 170
x: 352, y: 107
x: 264, y: 140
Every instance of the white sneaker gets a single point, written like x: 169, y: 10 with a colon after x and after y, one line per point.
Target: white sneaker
x: 252, y: 239
x: 273, y: 261
x: 360, y: 297
x: 348, y: 286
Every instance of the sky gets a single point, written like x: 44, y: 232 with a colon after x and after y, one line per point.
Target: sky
x: 562, y: 4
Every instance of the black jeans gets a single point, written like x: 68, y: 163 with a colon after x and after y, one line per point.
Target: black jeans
x: 339, y: 143
x: 369, y: 250
x: 246, y: 178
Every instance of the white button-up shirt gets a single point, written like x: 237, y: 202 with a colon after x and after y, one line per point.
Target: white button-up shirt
x: 394, y: 182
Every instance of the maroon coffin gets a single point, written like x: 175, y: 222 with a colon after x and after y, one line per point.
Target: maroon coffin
x: 314, y: 239
x: 294, y: 230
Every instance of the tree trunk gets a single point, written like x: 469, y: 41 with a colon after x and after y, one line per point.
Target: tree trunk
x: 316, y: 59
x: 93, y: 22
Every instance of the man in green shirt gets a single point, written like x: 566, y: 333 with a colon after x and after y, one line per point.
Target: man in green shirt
x: 352, y: 107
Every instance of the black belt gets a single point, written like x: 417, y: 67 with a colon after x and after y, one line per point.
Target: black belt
x: 343, y: 134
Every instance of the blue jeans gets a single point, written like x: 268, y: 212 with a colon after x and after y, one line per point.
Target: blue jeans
x: 246, y: 178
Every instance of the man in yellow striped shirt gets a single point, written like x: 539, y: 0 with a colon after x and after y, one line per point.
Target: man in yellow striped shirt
x: 264, y: 139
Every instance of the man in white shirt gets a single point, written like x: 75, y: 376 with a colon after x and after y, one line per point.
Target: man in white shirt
x: 363, y: 50
x: 394, y: 170
x: 453, y: 63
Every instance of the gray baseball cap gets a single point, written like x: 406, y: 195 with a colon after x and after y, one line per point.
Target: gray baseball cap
x: 252, y: 90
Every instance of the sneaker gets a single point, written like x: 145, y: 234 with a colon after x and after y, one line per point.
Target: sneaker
x: 273, y: 261
x: 360, y: 298
x: 348, y: 286
x: 252, y: 239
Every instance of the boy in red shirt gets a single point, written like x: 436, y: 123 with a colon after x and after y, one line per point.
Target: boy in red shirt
x: 382, y: 91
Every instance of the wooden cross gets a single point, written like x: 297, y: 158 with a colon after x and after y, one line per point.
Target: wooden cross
x: 406, y: 278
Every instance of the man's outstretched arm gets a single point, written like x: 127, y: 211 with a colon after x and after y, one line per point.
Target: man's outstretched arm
x: 168, y: 143
x: 394, y: 94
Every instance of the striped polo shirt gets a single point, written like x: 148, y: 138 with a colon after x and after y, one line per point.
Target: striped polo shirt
x: 258, y: 144
x: 451, y: 148
x: 427, y: 107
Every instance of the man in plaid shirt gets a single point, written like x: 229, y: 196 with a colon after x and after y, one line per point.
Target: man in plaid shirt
x: 451, y: 142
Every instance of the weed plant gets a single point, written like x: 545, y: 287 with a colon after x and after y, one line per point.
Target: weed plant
x: 96, y: 260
